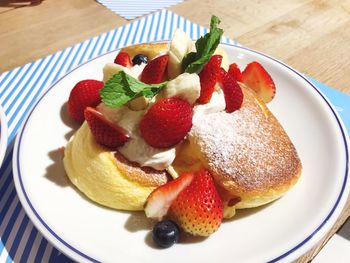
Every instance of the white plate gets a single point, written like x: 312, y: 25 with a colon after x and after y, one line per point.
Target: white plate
x: 283, y: 230
x: 3, y: 134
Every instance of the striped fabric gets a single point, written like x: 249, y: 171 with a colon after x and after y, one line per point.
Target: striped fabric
x: 22, y: 86
x: 131, y: 9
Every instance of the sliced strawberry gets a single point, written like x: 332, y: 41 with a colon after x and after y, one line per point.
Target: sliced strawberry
x: 167, y: 122
x: 221, y: 77
x: 233, y: 93
x: 235, y: 72
x: 105, y: 132
x: 159, y: 201
x: 123, y: 59
x: 155, y: 71
x: 257, y: 78
x: 208, y: 78
x: 84, y: 94
x: 198, y: 209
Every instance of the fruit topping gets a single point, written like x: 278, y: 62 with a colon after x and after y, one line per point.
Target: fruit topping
x: 208, y: 78
x: 105, y: 132
x: 232, y: 92
x: 166, y: 233
x: 139, y: 59
x: 257, y: 78
x: 198, y: 209
x: 155, y: 70
x: 123, y: 59
x: 159, y: 201
x: 84, y: 94
x: 221, y: 76
x: 167, y: 122
x: 235, y: 72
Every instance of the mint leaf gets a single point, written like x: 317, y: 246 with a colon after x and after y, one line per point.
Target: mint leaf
x: 122, y: 88
x: 206, y: 46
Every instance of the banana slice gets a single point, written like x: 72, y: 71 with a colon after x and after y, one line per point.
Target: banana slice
x: 111, y: 69
x: 180, y: 45
x: 185, y: 86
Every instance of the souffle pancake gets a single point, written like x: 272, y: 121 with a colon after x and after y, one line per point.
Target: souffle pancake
x: 178, y: 130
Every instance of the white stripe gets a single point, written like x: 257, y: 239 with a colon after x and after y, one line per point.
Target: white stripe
x: 23, y: 242
x: 4, y: 255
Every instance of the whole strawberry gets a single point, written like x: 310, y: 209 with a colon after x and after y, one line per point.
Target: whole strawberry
x: 208, y: 78
x: 105, y: 132
x: 84, y: 94
x: 167, y: 122
x: 198, y: 209
x: 155, y: 71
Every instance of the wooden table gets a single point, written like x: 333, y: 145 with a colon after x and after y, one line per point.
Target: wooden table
x: 311, y: 36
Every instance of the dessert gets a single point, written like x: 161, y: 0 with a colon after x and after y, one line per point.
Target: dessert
x: 177, y: 131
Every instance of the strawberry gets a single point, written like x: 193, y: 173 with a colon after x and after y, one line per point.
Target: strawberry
x: 208, y: 78
x: 85, y: 93
x: 235, y: 72
x: 159, y: 201
x: 198, y: 209
x: 123, y: 59
x: 257, y: 78
x: 222, y: 74
x: 167, y: 122
x: 233, y: 93
x: 154, y: 72
x: 105, y: 132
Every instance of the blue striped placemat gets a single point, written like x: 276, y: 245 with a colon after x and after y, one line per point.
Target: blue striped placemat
x: 22, y: 86
x: 131, y: 9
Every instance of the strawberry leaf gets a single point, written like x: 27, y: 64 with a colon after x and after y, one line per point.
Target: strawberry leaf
x: 122, y: 88
x: 206, y: 46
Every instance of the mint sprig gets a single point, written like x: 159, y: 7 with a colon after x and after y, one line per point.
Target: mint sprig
x: 122, y: 88
x: 206, y: 45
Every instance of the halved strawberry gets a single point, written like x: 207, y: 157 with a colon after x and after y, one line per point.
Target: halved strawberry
x: 208, y: 78
x: 85, y: 93
x: 155, y: 71
x: 123, y: 59
x: 235, y: 72
x: 198, y: 209
x: 167, y: 122
x: 159, y: 201
x: 257, y: 78
x: 221, y: 76
x: 105, y: 132
x: 233, y: 93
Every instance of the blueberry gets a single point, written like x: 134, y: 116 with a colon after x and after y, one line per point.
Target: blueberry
x: 139, y: 59
x: 166, y: 233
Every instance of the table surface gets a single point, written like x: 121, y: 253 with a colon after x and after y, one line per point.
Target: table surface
x: 311, y: 36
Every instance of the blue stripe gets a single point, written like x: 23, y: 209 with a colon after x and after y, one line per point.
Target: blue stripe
x: 128, y: 34
x: 29, y: 245
x: 75, y: 56
x: 164, y: 24
x: 41, y: 251
x: 94, y: 48
x: 6, y: 162
x: 158, y: 25
x: 103, y: 44
x: 171, y: 28
x: 150, y: 29
x: 63, y: 64
x: 7, y: 75
x: 109, y: 48
x: 143, y: 29
x: 120, y: 37
x: 8, y: 203
x: 136, y: 30
x: 19, y: 236
x: 85, y: 50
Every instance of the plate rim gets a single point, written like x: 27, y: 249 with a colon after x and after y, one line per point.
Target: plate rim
x: 3, y: 134
x: 291, y: 254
